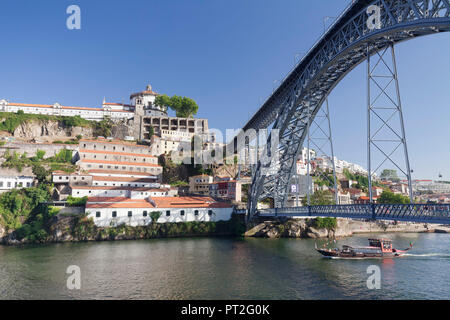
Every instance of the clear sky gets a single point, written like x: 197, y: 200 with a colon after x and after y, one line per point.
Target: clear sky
x: 227, y: 55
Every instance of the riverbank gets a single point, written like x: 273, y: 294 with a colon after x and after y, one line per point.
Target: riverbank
x: 79, y: 228
x: 307, y: 228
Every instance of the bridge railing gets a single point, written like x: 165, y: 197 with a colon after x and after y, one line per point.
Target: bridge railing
x: 438, y: 213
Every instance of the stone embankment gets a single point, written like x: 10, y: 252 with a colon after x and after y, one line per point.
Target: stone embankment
x: 305, y: 228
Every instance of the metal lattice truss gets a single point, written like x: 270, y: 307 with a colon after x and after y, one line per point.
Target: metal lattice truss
x: 345, y: 45
x: 320, y: 139
x: 385, y: 136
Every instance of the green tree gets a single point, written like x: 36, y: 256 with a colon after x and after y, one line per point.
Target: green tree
x: 183, y: 106
x: 40, y: 172
x: 76, y: 202
x: 388, y: 197
x: 155, y: 215
x: 40, y: 154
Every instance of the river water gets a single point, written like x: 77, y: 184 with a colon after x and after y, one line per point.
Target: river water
x: 222, y: 268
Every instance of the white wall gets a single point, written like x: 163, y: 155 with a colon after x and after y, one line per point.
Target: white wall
x: 97, y: 183
x: 11, y: 182
x: 91, y: 192
x: 118, y: 174
x: 137, y: 219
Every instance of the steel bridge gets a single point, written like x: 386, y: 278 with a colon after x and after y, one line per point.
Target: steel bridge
x: 426, y: 213
x: 366, y: 29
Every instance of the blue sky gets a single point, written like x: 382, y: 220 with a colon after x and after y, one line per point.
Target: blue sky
x: 227, y: 55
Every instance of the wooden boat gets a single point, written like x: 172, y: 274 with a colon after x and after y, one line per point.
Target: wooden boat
x: 378, y: 248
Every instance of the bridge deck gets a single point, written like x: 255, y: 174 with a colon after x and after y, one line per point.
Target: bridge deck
x: 426, y: 213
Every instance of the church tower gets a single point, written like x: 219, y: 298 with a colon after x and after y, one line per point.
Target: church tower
x: 144, y: 103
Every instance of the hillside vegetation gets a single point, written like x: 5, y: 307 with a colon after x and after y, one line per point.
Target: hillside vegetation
x: 11, y: 121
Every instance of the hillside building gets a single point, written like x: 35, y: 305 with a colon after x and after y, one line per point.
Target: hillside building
x: 107, y: 211
x: 7, y: 183
x: 200, y: 184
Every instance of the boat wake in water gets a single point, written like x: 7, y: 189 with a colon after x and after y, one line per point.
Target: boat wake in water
x: 428, y: 255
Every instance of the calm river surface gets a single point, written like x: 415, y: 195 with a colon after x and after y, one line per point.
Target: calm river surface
x: 221, y: 268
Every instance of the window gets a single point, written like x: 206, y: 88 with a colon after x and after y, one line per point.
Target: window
x: 130, y: 213
x: 114, y: 214
x: 97, y: 214
x: 196, y: 212
x: 144, y: 213
x: 210, y: 212
x: 182, y: 212
x: 168, y: 213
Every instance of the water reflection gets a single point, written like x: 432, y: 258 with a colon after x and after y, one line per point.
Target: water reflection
x: 223, y: 269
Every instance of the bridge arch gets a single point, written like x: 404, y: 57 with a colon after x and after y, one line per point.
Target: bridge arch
x: 346, y: 44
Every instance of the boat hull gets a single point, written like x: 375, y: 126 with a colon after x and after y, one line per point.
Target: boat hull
x: 358, y: 255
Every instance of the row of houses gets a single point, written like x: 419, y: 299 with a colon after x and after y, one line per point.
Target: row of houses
x: 325, y: 164
x: 122, y: 183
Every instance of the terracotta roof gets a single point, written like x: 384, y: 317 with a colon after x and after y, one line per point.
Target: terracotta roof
x: 119, y: 188
x: 189, y: 202
x: 113, y: 104
x: 132, y: 205
x: 114, y: 199
x: 122, y: 163
x: 59, y: 172
x: 112, y: 173
x: 115, y: 141
x: 123, y: 179
x: 353, y: 191
x: 367, y: 198
x: 99, y: 140
x: 118, y: 153
x: 161, y: 202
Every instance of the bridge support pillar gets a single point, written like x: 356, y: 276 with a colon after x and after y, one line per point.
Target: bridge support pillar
x: 320, y: 138
x: 386, y: 137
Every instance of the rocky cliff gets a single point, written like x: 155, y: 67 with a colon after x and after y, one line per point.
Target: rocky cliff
x: 305, y: 228
x: 50, y: 129
x: 56, y: 130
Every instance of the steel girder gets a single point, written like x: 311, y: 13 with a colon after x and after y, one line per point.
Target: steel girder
x: 339, y: 51
x: 427, y: 213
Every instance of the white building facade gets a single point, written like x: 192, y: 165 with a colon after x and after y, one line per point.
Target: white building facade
x: 8, y: 183
x: 116, y: 211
